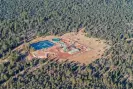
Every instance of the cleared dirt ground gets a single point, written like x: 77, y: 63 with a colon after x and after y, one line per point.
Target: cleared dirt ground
x: 96, y: 45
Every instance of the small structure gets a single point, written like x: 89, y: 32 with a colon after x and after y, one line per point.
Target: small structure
x: 56, y: 40
x: 65, y: 49
x: 73, y: 51
x: 62, y: 44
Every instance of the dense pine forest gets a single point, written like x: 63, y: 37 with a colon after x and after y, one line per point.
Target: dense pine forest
x: 23, y: 20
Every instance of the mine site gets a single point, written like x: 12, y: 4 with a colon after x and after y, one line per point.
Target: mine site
x: 73, y: 46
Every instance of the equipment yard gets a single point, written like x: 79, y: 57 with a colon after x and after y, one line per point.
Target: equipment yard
x: 72, y: 46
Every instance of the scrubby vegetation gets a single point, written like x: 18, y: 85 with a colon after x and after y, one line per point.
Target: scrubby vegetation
x: 22, y: 20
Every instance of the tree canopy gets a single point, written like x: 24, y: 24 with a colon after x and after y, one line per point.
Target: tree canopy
x: 22, y: 20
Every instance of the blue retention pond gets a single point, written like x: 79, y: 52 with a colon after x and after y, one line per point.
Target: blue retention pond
x: 42, y: 44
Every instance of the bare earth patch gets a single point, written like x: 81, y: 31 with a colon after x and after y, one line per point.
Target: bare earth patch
x: 96, y: 47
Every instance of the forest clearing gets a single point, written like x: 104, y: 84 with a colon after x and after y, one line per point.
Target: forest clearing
x: 66, y: 44
x: 91, y: 48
